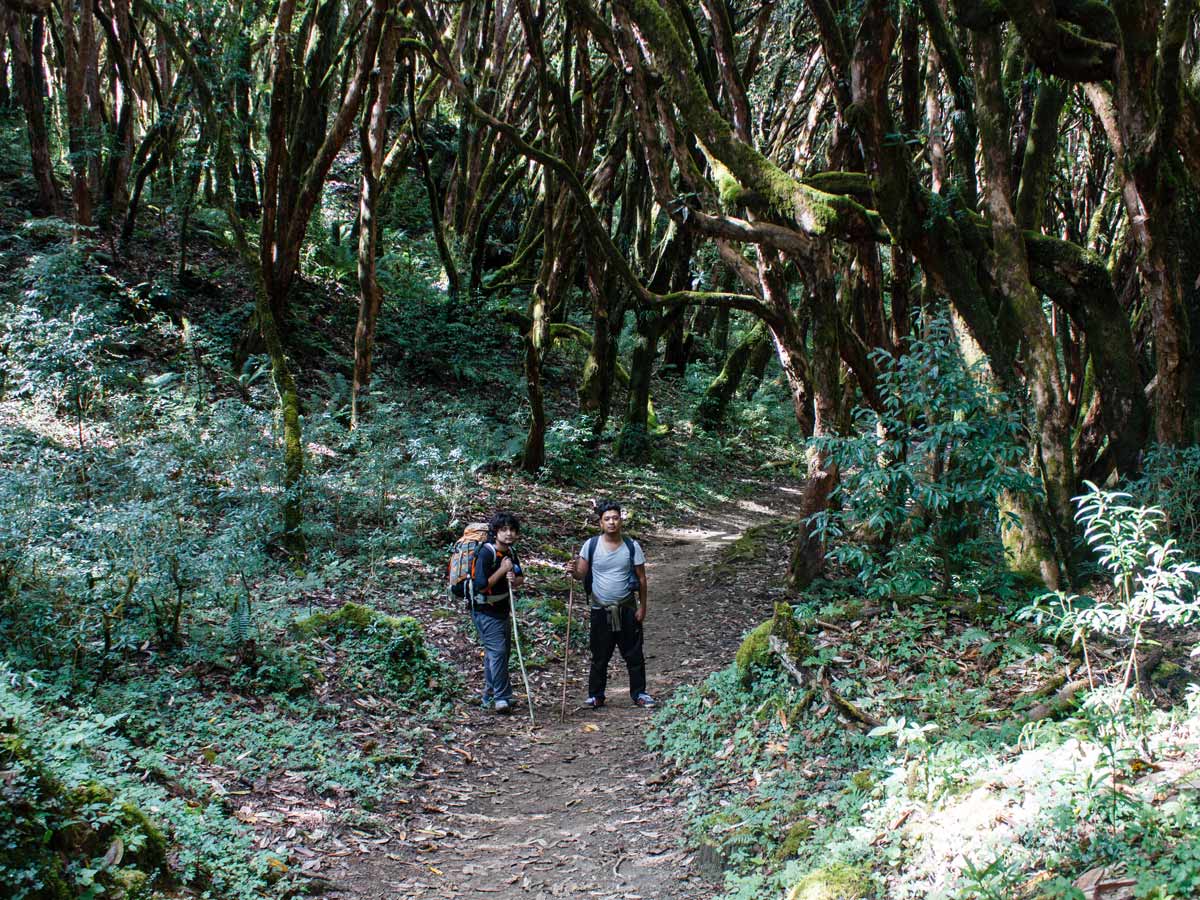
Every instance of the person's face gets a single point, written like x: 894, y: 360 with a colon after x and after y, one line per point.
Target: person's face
x: 506, y: 535
x: 610, y: 522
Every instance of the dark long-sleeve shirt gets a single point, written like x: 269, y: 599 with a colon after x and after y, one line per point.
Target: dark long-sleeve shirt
x: 487, y: 560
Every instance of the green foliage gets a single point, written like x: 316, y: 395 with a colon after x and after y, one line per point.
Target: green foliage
x: 68, y: 334
x: 85, y: 813
x: 1152, y: 581
x: 60, y: 841
x: 168, y: 522
x: 919, y: 480
x: 1170, y: 481
x: 385, y: 652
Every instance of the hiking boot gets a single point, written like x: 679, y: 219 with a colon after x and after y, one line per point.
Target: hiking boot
x: 594, y: 702
x: 644, y: 700
x: 503, y: 707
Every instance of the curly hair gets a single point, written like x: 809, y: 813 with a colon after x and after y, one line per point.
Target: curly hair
x: 499, y: 520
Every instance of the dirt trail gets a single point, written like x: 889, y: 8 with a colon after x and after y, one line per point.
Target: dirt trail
x: 577, y: 807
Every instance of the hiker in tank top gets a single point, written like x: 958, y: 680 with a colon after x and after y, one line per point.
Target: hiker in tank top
x: 613, y: 570
x: 497, y: 571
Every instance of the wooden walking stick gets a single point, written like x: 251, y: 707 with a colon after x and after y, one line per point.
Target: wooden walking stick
x: 512, y: 606
x: 562, y: 716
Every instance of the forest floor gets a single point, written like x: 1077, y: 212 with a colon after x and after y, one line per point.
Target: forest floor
x: 575, y: 806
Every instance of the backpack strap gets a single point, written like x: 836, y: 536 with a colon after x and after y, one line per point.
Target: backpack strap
x: 589, y: 553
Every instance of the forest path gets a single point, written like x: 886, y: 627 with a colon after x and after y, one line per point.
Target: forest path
x: 578, y: 807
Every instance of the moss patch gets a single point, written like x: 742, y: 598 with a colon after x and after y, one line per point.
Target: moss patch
x: 755, y: 650
x: 797, y: 836
x: 350, y: 617
x: 53, y: 830
x: 833, y: 882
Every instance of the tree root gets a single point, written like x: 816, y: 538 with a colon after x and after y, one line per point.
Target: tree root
x: 1059, y: 704
x: 811, y: 685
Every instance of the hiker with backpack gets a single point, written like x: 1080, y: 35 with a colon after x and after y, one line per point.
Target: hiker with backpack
x: 484, y: 570
x: 613, y: 570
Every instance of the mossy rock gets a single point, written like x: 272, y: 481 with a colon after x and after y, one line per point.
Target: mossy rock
x: 837, y: 881
x: 798, y: 834
x: 350, y: 617
x: 749, y: 545
x: 153, y: 853
x: 755, y: 650
x: 130, y: 884
x: 862, y: 780
x: 1167, y: 671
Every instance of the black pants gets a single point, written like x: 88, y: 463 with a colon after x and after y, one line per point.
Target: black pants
x: 628, y: 640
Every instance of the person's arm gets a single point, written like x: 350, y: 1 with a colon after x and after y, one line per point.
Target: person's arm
x: 578, y: 567
x: 640, y: 571
x: 517, y: 578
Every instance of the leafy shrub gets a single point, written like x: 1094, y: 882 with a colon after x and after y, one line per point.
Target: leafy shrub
x: 1170, y: 481
x: 1152, y: 580
x: 85, y: 813
x: 388, y: 650
x: 170, y: 520
x: 919, y: 480
x: 68, y: 333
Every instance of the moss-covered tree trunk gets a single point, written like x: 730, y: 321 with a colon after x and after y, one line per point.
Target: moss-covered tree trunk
x: 533, y: 456
x: 756, y: 368
x: 80, y: 62
x: 633, y: 444
x: 1011, y: 271
x: 599, y: 369
x: 291, y: 189
x: 807, y: 559
x: 677, y: 349
x: 711, y: 410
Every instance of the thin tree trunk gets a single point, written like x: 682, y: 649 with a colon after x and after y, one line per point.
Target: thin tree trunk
x: 633, y: 444
x: 28, y: 78
x: 372, y: 138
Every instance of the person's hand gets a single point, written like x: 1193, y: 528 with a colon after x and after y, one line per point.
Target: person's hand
x: 506, y: 566
x: 639, y: 615
x: 572, y: 568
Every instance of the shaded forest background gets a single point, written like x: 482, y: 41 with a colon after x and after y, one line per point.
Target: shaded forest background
x: 294, y: 290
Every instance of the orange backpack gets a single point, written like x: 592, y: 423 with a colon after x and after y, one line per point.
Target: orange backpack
x: 461, y: 570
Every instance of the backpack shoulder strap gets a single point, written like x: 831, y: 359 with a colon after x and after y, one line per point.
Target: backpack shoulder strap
x: 589, y: 553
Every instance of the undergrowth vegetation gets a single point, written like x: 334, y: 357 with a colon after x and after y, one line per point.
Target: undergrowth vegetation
x: 180, y: 699
x: 933, y: 747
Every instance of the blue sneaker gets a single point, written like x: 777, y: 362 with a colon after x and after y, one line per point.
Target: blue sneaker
x: 503, y: 707
x: 594, y: 702
x: 644, y: 700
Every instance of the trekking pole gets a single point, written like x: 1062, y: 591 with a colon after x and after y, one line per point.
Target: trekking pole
x: 562, y: 716
x: 512, y: 605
